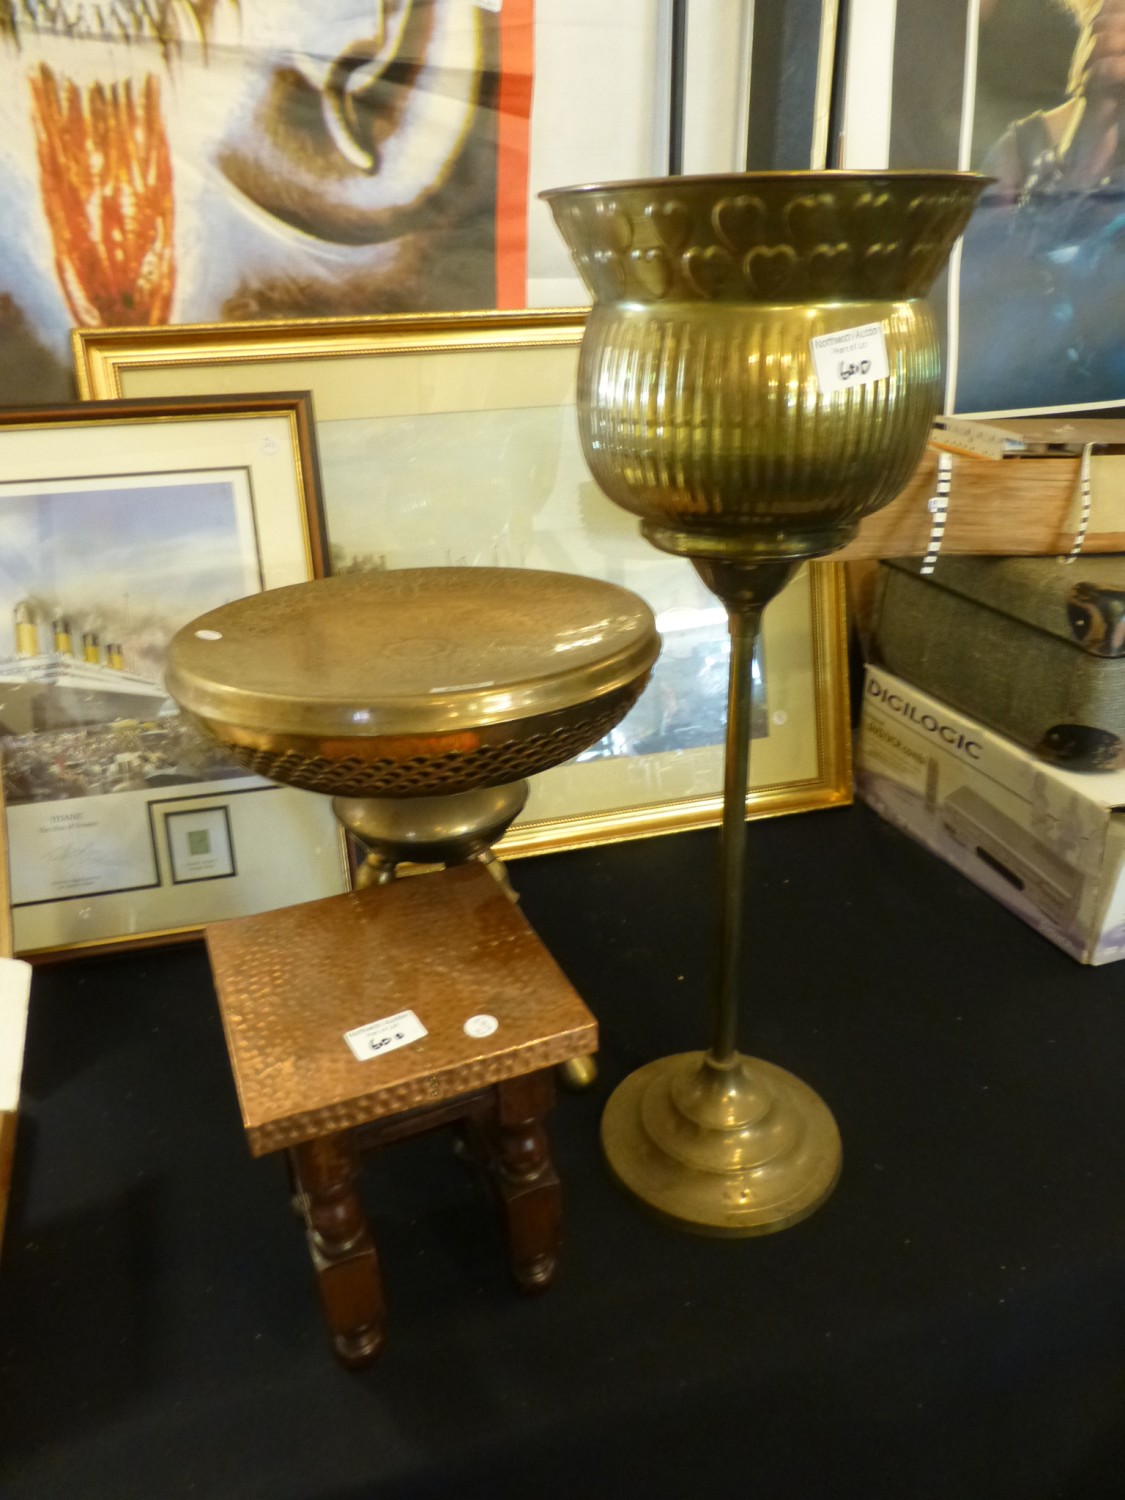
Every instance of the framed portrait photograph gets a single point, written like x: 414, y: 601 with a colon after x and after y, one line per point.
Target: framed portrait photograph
x: 1024, y: 92
x: 119, y: 523
x: 453, y: 440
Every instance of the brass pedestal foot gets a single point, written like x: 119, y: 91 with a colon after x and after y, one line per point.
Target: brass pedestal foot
x: 734, y: 1149
x: 438, y: 830
x: 578, y: 1073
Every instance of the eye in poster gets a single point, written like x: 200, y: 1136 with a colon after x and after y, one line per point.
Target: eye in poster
x: 206, y: 160
x: 1032, y: 93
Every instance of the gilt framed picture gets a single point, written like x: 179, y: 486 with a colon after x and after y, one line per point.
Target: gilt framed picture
x: 453, y: 440
x: 120, y: 522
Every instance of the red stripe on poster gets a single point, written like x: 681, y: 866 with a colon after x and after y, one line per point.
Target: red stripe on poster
x: 513, y: 131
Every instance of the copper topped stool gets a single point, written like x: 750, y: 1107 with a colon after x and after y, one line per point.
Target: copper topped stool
x: 358, y: 1020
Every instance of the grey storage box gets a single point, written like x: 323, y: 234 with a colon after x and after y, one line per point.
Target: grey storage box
x: 1032, y: 647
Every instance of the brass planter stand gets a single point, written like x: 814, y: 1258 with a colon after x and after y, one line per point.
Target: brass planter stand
x: 759, y: 371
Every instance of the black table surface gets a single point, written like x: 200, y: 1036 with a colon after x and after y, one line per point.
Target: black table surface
x: 950, y: 1324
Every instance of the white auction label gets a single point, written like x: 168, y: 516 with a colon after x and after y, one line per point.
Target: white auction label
x: 379, y: 1037
x: 480, y: 1025
x: 854, y: 356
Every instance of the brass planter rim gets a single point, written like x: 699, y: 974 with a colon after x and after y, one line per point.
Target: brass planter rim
x: 795, y: 176
x: 252, y: 664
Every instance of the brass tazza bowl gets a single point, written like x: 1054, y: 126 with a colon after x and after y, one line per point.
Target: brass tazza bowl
x: 417, y: 698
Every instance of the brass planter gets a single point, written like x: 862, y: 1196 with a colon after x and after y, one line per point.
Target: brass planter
x: 704, y: 412
x: 698, y: 401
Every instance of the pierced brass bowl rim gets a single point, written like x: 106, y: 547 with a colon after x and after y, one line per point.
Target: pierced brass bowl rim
x: 233, y: 692
x: 792, y: 176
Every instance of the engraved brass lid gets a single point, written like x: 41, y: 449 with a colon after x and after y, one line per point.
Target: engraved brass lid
x: 411, y: 651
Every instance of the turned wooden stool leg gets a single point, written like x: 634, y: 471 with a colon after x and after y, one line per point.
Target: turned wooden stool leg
x: 340, y: 1243
x: 525, y: 1178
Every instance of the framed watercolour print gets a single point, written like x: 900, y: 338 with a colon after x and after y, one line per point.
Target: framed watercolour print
x: 120, y: 522
x: 453, y: 440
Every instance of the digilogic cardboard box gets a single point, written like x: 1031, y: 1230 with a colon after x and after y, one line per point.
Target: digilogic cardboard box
x: 1048, y: 843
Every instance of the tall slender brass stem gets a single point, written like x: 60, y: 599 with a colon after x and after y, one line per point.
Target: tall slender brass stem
x: 744, y: 623
x: 745, y: 589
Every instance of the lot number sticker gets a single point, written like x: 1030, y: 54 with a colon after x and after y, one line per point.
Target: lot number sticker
x: 380, y: 1037
x: 852, y: 357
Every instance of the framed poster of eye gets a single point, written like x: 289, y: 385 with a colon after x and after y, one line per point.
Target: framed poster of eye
x: 213, y: 159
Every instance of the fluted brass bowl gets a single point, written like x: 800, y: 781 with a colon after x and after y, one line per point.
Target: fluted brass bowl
x: 414, y: 683
x: 699, y: 402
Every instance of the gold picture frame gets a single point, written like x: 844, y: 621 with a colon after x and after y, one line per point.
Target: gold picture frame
x: 7, y: 935
x: 451, y: 438
x: 13, y: 1028
x: 119, y: 522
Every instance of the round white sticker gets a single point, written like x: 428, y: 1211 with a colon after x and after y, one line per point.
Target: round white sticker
x: 481, y: 1025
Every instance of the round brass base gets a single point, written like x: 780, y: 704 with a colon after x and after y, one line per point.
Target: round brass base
x: 733, y: 1149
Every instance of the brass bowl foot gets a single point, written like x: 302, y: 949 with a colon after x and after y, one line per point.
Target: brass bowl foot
x: 577, y: 1073
x: 722, y: 1148
x: 429, y: 830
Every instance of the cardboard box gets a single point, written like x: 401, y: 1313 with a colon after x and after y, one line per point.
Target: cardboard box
x: 1049, y: 844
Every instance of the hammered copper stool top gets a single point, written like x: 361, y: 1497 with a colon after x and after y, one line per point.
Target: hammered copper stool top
x: 448, y: 946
